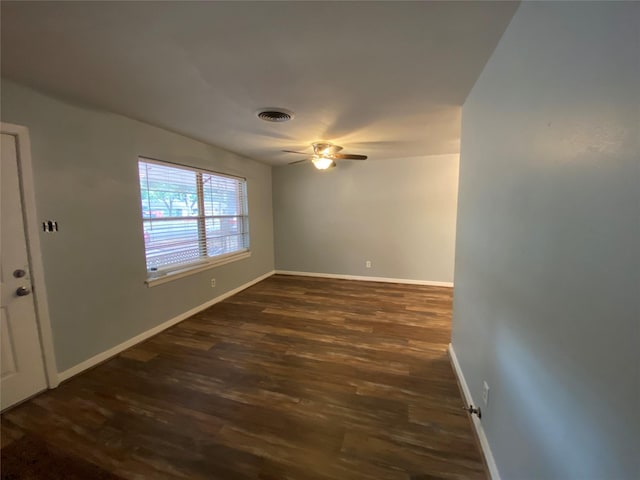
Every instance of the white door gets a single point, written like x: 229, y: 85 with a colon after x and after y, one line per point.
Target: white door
x: 22, y: 365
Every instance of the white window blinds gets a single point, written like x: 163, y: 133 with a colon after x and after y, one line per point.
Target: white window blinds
x: 190, y: 216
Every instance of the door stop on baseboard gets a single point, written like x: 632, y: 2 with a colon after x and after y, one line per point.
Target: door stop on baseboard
x: 471, y: 410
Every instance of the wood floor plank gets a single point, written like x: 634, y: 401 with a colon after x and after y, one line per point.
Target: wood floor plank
x: 294, y: 378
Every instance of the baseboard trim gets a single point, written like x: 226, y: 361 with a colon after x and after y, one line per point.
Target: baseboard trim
x: 367, y: 279
x: 477, y: 424
x: 107, y: 354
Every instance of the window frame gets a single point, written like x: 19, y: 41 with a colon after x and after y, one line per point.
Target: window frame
x: 179, y: 270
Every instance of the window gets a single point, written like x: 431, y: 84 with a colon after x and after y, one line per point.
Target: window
x: 191, y: 218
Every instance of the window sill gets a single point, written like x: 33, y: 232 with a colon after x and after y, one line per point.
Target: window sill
x: 190, y: 270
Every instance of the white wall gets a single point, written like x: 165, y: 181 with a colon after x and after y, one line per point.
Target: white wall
x: 397, y: 213
x: 86, y: 178
x: 547, y: 297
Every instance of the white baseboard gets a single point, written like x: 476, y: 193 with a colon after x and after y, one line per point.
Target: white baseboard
x: 367, y: 279
x: 101, y: 357
x: 484, y: 443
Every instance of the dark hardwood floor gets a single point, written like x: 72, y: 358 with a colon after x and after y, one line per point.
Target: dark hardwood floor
x: 293, y: 378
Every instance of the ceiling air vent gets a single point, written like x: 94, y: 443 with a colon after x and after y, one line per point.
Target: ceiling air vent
x: 275, y: 115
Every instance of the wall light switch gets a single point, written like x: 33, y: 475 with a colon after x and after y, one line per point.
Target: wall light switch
x: 49, y: 226
x: 367, y: 264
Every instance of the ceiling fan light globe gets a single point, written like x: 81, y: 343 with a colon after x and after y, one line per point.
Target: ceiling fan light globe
x: 322, y: 163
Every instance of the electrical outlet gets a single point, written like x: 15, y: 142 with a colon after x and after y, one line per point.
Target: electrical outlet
x: 213, y: 283
x: 485, y: 392
x: 367, y: 264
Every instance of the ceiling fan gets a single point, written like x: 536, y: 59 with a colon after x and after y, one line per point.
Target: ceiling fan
x: 325, y: 154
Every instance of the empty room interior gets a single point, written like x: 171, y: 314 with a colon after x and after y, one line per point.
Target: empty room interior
x: 320, y: 240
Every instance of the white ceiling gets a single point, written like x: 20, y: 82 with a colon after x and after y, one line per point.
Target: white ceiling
x: 384, y: 79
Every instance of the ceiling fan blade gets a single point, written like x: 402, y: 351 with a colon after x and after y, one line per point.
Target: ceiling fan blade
x: 348, y: 156
x: 298, y: 161
x: 293, y: 151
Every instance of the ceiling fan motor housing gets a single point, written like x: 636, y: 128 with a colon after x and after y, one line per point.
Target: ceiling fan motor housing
x: 325, y: 149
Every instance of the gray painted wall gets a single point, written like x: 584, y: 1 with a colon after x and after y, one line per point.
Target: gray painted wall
x: 547, y: 298
x: 400, y: 214
x: 86, y: 178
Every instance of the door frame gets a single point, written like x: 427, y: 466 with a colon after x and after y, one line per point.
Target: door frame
x: 32, y: 233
